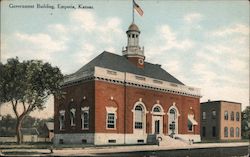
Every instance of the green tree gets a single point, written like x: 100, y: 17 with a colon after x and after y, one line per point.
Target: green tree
x: 28, y: 84
x: 245, y: 121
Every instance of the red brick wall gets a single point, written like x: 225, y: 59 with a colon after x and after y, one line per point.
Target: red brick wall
x: 105, y: 90
x: 103, y: 93
x: 75, y: 92
x: 99, y: 95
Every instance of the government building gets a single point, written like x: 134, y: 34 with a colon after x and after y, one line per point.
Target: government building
x: 122, y: 99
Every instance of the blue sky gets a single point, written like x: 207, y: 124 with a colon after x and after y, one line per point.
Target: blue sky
x: 202, y: 43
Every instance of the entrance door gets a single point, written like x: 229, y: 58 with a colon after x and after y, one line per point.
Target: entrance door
x: 157, y: 126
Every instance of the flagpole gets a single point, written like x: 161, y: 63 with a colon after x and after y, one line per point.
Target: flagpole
x: 133, y: 11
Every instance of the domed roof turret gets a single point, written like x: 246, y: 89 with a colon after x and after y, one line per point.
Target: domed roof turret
x: 133, y: 27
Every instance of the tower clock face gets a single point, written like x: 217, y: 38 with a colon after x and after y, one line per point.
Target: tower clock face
x: 140, y: 61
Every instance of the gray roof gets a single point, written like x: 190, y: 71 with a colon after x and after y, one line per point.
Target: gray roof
x: 120, y: 63
x: 29, y: 131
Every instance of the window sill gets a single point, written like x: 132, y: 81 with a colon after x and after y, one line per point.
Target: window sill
x: 85, y: 128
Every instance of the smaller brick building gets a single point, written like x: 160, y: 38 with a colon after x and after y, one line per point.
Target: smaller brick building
x: 220, y: 120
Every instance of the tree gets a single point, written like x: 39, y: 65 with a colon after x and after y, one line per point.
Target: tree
x: 28, y: 84
x: 245, y: 121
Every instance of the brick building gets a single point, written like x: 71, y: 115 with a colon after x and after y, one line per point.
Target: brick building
x: 220, y: 120
x: 117, y: 99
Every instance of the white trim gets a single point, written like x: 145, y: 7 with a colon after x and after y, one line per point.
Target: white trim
x: 129, y: 78
x: 86, y: 108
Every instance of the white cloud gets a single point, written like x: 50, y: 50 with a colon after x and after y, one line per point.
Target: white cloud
x: 41, y: 42
x: 86, y: 19
x: 232, y: 30
x: 192, y: 18
x: 170, y: 40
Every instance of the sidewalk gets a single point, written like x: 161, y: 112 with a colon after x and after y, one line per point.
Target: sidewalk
x: 91, y: 151
x: 119, y: 149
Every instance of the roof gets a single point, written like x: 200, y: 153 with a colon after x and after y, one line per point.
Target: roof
x: 50, y: 125
x: 120, y: 63
x: 218, y: 101
x: 29, y: 131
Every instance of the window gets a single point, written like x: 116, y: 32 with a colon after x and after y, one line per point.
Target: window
x: 237, y: 132
x: 204, y: 131
x: 190, y: 125
x: 213, y: 114
x: 136, y: 36
x: 214, y: 131
x: 231, y: 132
x: 157, y: 109
x: 62, y: 120
x: 203, y: 115
x: 111, y: 117
x: 237, y: 116
x: 138, y: 117
x: 172, y: 112
x: 225, y: 132
x: 111, y: 120
x: 226, y: 115
x: 72, y: 117
x: 133, y: 36
x: 85, y: 118
x: 232, y: 116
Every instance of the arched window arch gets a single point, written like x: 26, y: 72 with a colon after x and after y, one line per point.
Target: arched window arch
x: 231, y: 132
x: 225, y: 131
x: 157, y: 110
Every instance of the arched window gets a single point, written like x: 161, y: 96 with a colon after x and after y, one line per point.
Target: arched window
x: 85, y: 118
x: 139, y: 117
x: 226, y: 115
x: 225, y: 132
x: 62, y: 120
x: 237, y: 132
x: 232, y: 115
x: 231, y: 132
x: 72, y: 116
x: 157, y: 109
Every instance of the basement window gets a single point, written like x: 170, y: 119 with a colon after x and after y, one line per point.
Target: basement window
x: 112, y: 141
x: 61, y: 141
x: 140, y: 141
x: 84, y: 141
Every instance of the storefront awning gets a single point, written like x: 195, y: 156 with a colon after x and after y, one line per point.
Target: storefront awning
x: 192, y: 120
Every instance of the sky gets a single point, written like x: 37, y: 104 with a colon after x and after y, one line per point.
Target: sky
x: 204, y: 44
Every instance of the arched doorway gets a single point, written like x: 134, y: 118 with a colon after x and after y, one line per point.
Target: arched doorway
x: 157, y: 119
x: 173, y: 115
